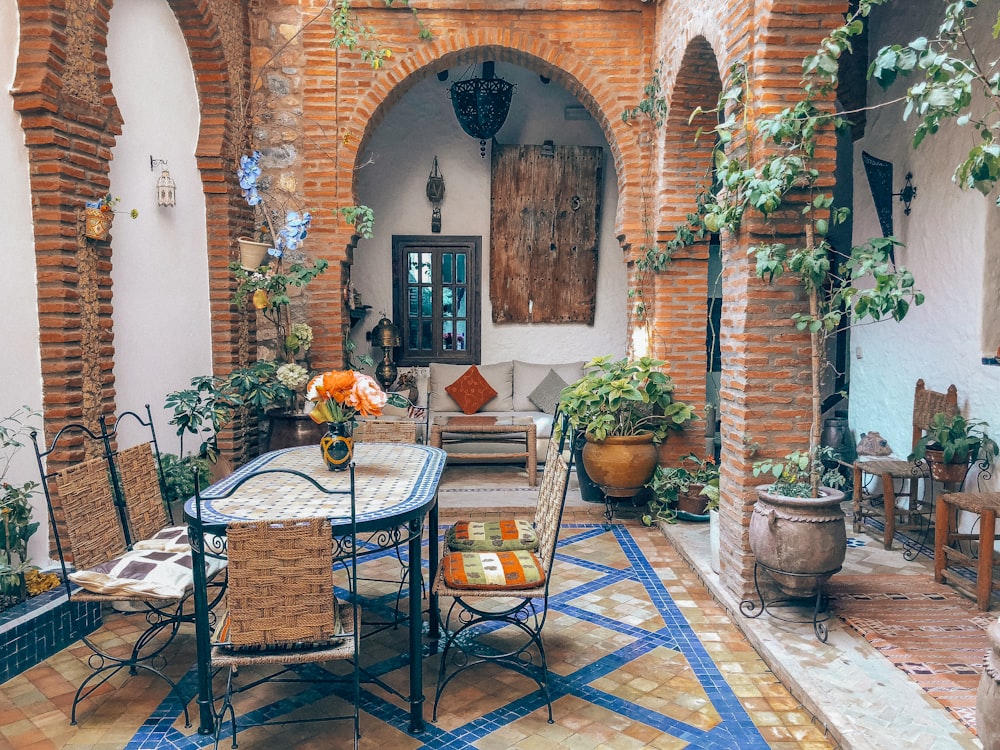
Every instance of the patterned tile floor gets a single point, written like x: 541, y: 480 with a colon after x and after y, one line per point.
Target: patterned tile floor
x: 640, y: 656
x: 643, y: 650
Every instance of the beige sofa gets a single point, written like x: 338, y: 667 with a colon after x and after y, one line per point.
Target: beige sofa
x: 524, y: 389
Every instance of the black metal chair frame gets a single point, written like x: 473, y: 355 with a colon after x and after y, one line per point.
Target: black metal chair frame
x: 161, y: 615
x: 209, y: 540
x: 527, y: 612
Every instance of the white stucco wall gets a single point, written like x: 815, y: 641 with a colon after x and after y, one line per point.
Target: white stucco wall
x: 20, y: 369
x: 160, y: 274
x: 948, y: 236
x: 422, y: 125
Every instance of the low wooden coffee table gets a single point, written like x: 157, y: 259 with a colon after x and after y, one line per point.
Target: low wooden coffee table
x: 453, y: 429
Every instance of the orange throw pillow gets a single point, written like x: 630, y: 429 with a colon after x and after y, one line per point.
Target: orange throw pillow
x: 471, y: 391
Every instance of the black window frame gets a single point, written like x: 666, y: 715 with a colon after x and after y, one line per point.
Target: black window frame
x: 438, y: 245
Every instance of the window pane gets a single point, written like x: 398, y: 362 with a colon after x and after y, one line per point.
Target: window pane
x: 448, y: 335
x: 460, y: 312
x: 425, y: 268
x: 460, y: 267
x: 411, y: 293
x: 446, y: 268
x: 461, y: 335
x: 426, y: 302
x: 412, y: 264
x: 414, y: 335
x: 426, y: 334
x: 446, y: 302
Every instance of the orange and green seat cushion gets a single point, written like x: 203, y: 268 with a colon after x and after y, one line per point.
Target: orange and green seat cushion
x: 491, y: 536
x: 510, y: 570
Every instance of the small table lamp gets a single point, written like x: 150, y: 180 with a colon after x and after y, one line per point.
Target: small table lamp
x: 387, y: 336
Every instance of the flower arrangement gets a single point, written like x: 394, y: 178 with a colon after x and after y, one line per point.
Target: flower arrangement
x: 107, y: 204
x: 344, y: 395
x: 296, y: 226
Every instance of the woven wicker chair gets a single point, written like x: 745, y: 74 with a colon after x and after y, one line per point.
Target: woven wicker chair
x: 95, y: 529
x: 926, y: 403
x: 480, y: 608
x: 282, y: 609
x: 137, y: 473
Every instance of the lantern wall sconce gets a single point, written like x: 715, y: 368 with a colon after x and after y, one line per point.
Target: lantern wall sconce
x: 879, y: 174
x: 387, y: 336
x: 435, y: 194
x: 166, y: 189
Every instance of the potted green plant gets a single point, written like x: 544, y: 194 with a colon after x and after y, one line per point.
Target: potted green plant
x: 625, y: 408
x: 18, y: 577
x: 796, y: 532
x: 952, y: 444
x: 679, y: 491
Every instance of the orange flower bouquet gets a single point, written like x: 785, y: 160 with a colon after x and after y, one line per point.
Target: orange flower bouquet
x: 343, y: 396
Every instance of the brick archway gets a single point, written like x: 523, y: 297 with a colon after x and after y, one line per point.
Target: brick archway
x: 586, y: 81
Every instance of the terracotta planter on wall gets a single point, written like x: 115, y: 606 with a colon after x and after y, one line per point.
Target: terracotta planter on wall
x: 97, y: 223
x: 803, y: 537
x: 621, y: 465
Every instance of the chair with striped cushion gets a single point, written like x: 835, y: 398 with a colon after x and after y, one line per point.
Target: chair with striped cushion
x: 99, y: 566
x: 282, y: 609
x: 493, y: 589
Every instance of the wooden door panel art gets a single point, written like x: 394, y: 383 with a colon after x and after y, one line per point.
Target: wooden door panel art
x: 543, y: 234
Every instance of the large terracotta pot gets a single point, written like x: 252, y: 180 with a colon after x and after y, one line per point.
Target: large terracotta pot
x: 988, y: 696
x: 805, y: 537
x: 621, y: 465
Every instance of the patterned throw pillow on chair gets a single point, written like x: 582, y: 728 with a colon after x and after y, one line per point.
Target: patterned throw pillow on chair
x: 471, y: 391
x: 491, y: 536
x: 518, y: 569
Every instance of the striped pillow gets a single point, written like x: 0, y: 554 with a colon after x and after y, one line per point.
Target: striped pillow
x: 491, y: 536
x: 517, y: 569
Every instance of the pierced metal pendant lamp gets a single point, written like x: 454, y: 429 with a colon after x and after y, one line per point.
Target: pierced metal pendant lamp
x: 481, y: 104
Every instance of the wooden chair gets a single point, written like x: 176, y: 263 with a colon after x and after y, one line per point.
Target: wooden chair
x: 491, y: 590
x: 98, y: 566
x: 282, y: 609
x: 926, y: 403
x: 948, y: 552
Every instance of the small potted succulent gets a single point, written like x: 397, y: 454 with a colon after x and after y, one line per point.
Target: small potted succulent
x: 952, y: 444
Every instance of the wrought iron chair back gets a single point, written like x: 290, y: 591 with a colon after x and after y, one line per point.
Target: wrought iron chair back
x: 487, y: 608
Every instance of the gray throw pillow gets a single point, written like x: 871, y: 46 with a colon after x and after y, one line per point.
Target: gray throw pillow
x: 546, y: 394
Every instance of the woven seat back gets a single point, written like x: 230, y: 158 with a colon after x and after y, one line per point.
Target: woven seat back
x: 551, y: 497
x: 281, y: 582
x: 381, y: 431
x: 140, y: 483
x: 927, y: 403
x: 92, y: 520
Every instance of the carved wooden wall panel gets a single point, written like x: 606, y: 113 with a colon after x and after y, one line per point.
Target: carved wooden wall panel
x: 543, y: 234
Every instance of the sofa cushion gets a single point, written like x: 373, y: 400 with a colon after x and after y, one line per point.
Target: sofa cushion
x: 500, y: 376
x: 528, y: 375
x: 546, y: 394
x: 471, y: 391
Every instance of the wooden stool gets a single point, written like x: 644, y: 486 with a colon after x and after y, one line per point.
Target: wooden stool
x: 986, y: 505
